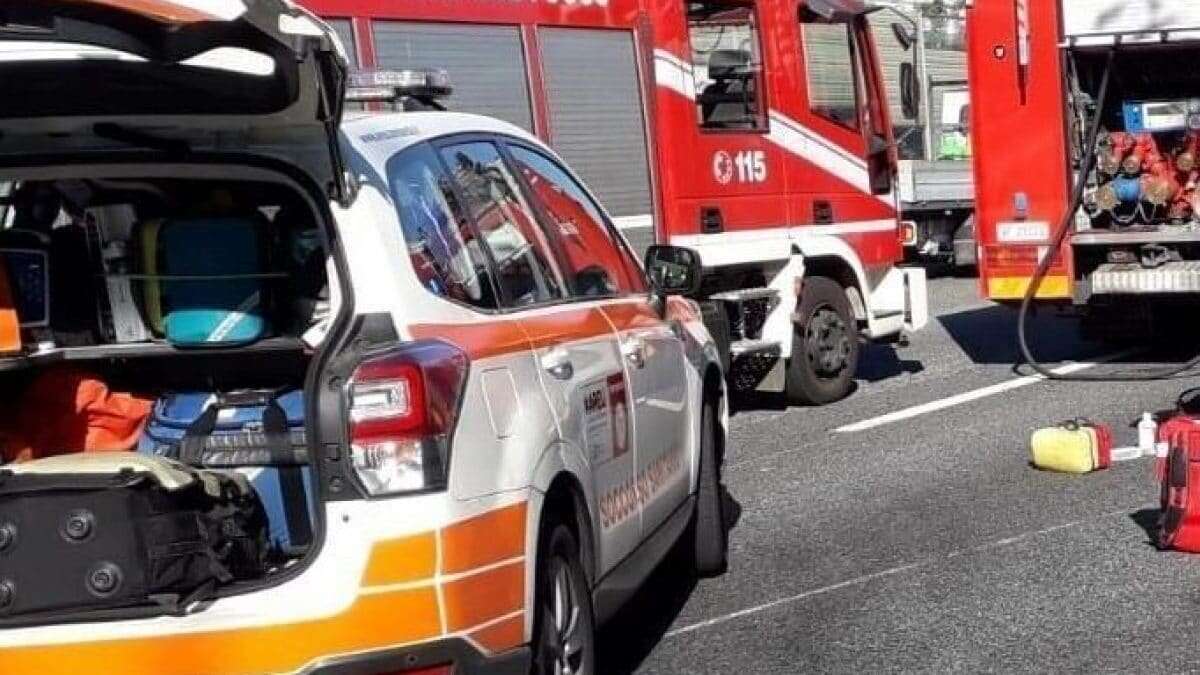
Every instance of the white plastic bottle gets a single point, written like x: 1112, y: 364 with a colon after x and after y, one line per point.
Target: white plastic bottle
x: 1147, y: 430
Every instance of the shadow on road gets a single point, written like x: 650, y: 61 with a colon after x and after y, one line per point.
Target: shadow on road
x: 878, y: 362
x: 988, y: 335
x: 633, y: 633
x: 1147, y: 519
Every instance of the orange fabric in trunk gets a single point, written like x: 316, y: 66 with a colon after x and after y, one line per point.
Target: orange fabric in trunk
x: 10, y: 325
x: 65, y: 411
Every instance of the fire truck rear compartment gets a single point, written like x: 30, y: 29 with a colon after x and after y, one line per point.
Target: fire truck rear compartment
x: 1138, y: 232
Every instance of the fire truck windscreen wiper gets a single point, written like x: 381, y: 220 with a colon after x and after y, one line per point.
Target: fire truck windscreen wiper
x: 1060, y: 235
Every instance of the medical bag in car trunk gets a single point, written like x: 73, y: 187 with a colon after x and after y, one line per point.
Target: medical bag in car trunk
x: 206, y: 279
x: 258, y: 432
x: 114, y: 530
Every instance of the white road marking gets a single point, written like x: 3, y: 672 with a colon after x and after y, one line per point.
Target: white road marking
x: 858, y: 581
x: 967, y: 397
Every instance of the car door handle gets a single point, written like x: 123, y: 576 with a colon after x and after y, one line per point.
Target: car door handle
x: 634, y: 351
x: 557, y: 362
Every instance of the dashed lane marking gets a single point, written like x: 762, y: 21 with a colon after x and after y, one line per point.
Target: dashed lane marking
x: 892, y: 571
x: 975, y: 395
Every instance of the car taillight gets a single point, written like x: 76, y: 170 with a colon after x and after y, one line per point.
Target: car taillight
x: 403, y: 405
x: 908, y: 233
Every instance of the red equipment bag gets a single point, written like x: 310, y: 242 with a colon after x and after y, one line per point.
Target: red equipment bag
x: 1174, y: 432
x: 1179, y: 523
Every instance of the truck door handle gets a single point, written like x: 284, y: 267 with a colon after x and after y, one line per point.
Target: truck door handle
x: 634, y: 351
x: 557, y: 362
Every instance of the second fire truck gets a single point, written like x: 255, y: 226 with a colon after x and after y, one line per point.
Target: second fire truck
x: 698, y: 127
x: 1086, y: 120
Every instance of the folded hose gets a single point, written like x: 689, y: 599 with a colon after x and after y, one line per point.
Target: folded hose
x: 1060, y: 235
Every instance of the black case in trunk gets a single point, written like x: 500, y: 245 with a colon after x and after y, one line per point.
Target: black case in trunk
x: 72, y: 542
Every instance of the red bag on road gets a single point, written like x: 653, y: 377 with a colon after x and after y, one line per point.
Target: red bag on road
x: 1179, y: 523
x: 1173, y: 432
x: 65, y: 411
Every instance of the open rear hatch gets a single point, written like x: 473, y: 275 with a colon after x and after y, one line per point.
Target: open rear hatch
x: 167, y: 76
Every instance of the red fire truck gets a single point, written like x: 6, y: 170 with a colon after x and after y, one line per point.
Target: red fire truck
x: 698, y: 126
x: 1086, y: 116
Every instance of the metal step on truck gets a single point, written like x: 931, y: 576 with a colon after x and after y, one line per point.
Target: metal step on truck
x: 698, y: 123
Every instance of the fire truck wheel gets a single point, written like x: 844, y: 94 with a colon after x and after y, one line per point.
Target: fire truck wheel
x: 825, y: 347
x: 709, y: 535
x: 563, y: 624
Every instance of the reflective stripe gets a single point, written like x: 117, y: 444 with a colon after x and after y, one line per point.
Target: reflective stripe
x: 1014, y: 288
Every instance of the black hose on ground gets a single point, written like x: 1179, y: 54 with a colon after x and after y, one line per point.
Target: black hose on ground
x: 1060, y: 235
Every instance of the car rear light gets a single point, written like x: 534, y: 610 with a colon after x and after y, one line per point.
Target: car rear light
x: 908, y: 233
x: 403, y: 404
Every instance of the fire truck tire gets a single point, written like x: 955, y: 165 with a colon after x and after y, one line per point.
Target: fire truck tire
x: 563, y: 624
x: 825, y: 346
x: 708, y: 533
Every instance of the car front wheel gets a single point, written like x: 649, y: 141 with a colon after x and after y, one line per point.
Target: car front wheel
x: 709, y: 534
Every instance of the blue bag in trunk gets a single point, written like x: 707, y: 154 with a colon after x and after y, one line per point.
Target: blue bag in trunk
x: 259, y: 433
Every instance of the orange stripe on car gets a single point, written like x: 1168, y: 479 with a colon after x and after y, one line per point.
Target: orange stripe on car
x: 488, y: 590
x: 566, y: 325
x: 484, y: 540
x: 500, y: 338
x: 479, y: 598
x: 479, y: 341
x: 402, y: 560
x: 501, y: 636
x: 632, y: 315
x: 372, y: 622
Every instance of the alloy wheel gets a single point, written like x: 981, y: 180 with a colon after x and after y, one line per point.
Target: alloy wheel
x: 562, y: 630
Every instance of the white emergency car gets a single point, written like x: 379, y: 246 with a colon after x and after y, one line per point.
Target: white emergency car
x: 511, y: 420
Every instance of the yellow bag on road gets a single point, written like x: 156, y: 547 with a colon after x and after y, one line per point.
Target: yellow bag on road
x: 1072, y: 447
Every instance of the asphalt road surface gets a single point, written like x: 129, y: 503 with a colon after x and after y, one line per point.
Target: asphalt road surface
x: 875, y: 537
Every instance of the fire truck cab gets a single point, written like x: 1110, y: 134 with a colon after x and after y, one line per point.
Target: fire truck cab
x: 1043, y: 74
x: 698, y: 124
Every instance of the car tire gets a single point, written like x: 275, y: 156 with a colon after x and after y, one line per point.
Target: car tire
x: 825, y: 346
x: 564, y: 624
x: 708, y: 534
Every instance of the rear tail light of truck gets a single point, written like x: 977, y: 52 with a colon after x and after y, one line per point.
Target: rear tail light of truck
x: 908, y: 233
x: 403, y: 405
x: 1018, y: 259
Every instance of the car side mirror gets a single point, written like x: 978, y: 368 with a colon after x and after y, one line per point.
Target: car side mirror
x: 910, y: 91
x: 879, y: 165
x: 673, y: 270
